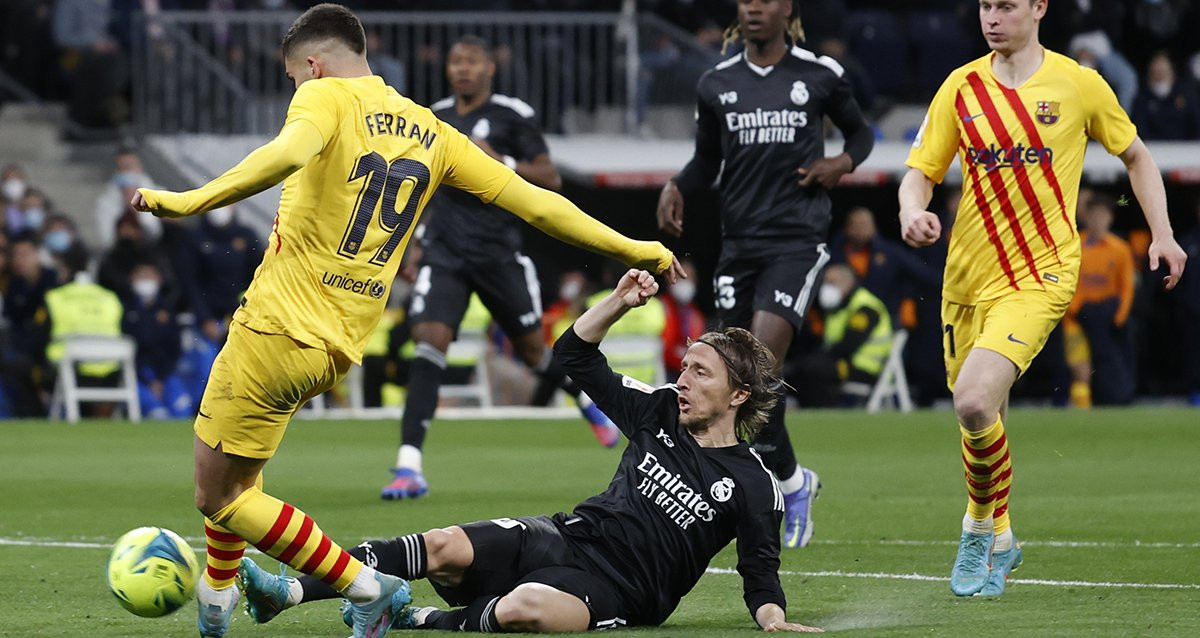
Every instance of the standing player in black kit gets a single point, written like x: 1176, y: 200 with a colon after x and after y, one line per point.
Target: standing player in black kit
x: 686, y: 486
x: 761, y: 113
x: 470, y: 246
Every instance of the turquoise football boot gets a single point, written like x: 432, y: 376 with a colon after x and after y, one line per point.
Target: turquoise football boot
x: 970, y: 571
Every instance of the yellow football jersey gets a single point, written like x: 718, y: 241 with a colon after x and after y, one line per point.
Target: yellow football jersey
x: 1021, y: 151
x: 345, y: 219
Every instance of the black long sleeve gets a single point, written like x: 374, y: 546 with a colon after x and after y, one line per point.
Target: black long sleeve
x: 705, y: 164
x: 846, y: 114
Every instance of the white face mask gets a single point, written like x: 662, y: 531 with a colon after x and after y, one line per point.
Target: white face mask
x: 145, y: 288
x: 221, y: 216
x: 13, y: 189
x: 1161, y: 89
x: 34, y: 218
x: 684, y: 291
x: 570, y: 290
x: 830, y: 296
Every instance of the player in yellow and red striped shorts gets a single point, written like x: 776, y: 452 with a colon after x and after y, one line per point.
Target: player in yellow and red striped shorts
x: 1019, y: 120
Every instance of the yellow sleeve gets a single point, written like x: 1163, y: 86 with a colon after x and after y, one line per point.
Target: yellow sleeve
x: 556, y: 216
x: 469, y: 169
x: 937, y: 140
x: 311, y: 122
x: 1107, y: 122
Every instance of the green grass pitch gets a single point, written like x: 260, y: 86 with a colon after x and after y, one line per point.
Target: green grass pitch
x: 1105, y: 501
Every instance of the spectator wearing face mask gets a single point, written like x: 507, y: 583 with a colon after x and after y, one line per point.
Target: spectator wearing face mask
x: 572, y: 295
x: 13, y: 184
x: 151, y: 320
x: 60, y: 239
x: 31, y: 213
x: 223, y: 255
x: 113, y: 203
x: 856, y: 343
x: 1168, y: 109
x: 26, y: 372
x: 131, y: 248
x: 685, y: 323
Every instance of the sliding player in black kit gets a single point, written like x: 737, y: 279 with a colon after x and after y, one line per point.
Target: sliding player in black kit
x: 470, y: 247
x: 686, y: 486
x: 762, y: 114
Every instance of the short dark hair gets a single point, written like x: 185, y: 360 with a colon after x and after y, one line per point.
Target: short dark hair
x: 751, y: 367
x: 471, y: 40
x: 326, y: 21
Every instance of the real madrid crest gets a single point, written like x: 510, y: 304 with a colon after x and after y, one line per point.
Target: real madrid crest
x: 1047, y: 112
x: 799, y: 93
x: 722, y: 490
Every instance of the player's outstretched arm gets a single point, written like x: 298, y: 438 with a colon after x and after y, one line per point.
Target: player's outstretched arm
x: 266, y: 166
x: 771, y: 618
x: 918, y: 226
x: 635, y: 288
x: 556, y: 216
x: 1147, y: 184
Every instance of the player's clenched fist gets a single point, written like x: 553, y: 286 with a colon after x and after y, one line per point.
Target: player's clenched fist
x: 158, y: 202
x: 636, y: 288
x: 919, y: 228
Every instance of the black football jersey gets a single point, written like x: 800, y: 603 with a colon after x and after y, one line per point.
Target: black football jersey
x: 764, y: 123
x: 672, y: 504
x: 471, y: 229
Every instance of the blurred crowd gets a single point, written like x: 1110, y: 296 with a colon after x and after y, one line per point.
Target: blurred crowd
x: 170, y: 285
x: 78, y: 51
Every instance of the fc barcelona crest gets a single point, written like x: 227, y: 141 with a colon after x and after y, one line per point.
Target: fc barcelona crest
x: 1047, y: 112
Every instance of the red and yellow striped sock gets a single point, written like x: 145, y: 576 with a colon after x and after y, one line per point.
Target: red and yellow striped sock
x: 225, y: 551
x: 290, y: 536
x: 988, y: 472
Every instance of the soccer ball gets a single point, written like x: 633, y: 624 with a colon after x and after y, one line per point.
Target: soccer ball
x: 152, y: 571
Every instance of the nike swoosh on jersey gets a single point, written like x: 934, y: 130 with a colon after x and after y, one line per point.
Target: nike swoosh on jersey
x: 968, y: 118
x: 1016, y: 340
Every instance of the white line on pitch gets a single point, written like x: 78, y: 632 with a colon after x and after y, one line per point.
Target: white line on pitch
x: 22, y: 542
x: 942, y: 579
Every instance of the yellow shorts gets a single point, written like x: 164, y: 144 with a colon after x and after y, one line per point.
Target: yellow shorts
x: 1015, y: 325
x: 257, y: 384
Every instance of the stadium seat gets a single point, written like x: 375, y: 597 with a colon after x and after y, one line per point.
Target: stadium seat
x: 878, y: 42
x: 86, y: 349
x: 892, y: 384
x: 941, y: 45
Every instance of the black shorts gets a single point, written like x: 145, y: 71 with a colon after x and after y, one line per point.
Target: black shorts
x: 508, y: 287
x: 529, y: 549
x: 783, y: 285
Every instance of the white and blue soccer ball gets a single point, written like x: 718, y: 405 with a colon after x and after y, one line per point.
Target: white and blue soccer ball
x: 152, y: 571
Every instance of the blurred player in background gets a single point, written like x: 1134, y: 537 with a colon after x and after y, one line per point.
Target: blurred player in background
x: 762, y: 113
x: 359, y: 162
x: 1014, y: 252
x: 472, y: 247
x: 687, y: 485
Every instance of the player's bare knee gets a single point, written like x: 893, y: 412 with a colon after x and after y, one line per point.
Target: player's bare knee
x: 210, y: 502
x: 448, y: 551
x: 975, y: 409
x: 433, y: 333
x: 523, y: 609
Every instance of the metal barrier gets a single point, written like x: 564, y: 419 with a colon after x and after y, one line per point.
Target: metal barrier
x: 208, y: 72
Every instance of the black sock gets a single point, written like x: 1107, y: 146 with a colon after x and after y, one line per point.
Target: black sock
x: 775, y: 446
x: 423, y: 382
x: 478, y: 616
x: 403, y: 556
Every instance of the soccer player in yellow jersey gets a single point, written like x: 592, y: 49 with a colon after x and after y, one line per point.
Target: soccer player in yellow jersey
x: 358, y: 163
x: 1019, y: 120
